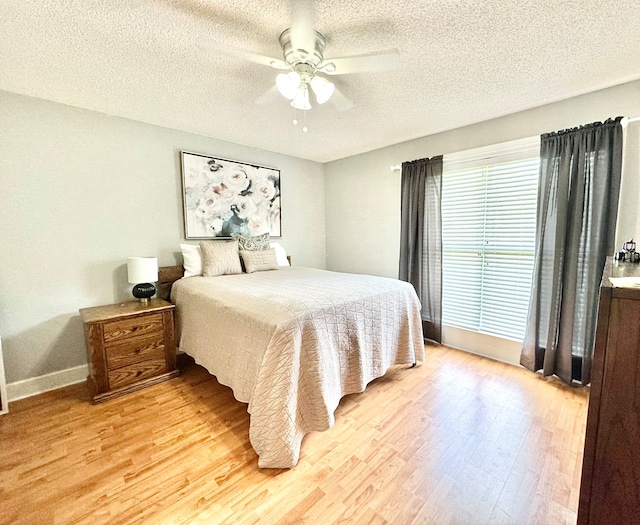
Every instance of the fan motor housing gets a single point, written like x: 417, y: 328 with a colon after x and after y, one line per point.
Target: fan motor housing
x: 294, y: 56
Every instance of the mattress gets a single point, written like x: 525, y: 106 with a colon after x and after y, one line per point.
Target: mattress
x: 292, y: 342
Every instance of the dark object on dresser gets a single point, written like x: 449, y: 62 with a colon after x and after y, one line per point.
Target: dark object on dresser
x: 143, y: 291
x: 610, y: 488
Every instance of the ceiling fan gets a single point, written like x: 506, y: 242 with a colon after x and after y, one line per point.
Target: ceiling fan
x: 303, y: 58
x: 304, y: 67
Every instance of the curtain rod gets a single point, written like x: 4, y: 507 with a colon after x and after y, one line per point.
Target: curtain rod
x: 398, y: 167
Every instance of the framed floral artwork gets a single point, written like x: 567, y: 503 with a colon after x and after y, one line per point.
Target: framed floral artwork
x: 225, y: 197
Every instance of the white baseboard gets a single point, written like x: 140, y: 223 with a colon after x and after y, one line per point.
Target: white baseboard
x: 38, y: 385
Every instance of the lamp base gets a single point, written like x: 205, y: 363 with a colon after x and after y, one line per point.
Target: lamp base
x: 143, y: 292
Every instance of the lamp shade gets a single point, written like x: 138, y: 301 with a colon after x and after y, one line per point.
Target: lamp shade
x: 288, y: 84
x: 301, y: 101
x: 142, y: 269
x: 322, y: 88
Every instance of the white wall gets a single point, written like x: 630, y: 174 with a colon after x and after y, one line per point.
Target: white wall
x: 363, y: 195
x: 82, y: 191
x: 629, y: 206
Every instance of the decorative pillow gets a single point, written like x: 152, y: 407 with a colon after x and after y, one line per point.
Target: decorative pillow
x: 281, y: 254
x: 192, y: 259
x: 220, y: 258
x: 258, y: 261
x: 252, y: 244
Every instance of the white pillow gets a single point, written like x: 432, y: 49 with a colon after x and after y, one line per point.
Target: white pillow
x: 281, y: 254
x: 192, y: 259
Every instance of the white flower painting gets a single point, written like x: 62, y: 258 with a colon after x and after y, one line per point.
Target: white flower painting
x: 225, y: 197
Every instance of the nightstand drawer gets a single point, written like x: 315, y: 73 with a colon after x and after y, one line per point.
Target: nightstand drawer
x: 122, y: 329
x: 127, y: 375
x: 140, y: 349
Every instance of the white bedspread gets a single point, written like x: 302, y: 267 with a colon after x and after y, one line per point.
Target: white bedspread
x: 292, y: 342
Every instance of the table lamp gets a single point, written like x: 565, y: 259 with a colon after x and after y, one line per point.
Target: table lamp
x: 142, y: 271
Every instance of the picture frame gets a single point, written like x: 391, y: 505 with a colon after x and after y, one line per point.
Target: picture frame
x: 223, y: 197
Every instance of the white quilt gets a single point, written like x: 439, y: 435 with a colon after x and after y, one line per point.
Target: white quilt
x: 292, y: 342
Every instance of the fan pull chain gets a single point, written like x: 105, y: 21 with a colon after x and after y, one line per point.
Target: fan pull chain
x: 305, y: 129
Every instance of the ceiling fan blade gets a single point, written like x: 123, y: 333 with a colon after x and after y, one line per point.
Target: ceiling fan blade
x: 340, y: 101
x: 256, y: 58
x: 379, y: 61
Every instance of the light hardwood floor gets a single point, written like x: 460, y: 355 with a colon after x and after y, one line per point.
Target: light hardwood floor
x: 459, y: 439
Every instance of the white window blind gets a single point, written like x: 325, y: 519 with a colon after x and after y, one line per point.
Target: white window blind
x: 488, y: 236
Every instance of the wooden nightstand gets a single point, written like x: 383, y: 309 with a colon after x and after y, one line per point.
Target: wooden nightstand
x: 129, y: 346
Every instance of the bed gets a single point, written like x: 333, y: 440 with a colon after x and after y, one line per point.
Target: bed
x: 292, y: 342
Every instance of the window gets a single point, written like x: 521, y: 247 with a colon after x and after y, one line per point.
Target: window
x: 489, y: 202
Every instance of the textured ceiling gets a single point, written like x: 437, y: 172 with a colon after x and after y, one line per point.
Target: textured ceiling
x: 168, y: 62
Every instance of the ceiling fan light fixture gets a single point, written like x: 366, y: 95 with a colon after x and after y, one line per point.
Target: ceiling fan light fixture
x: 288, y: 84
x: 322, y: 88
x: 301, y: 100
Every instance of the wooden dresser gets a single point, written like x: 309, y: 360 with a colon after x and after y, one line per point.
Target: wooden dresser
x: 610, y: 488
x: 130, y: 346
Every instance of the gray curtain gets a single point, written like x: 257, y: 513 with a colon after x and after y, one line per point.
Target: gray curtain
x: 421, y: 238
x: 577, y: 207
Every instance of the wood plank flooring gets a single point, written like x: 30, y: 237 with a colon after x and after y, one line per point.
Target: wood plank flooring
x: 458, y: 440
